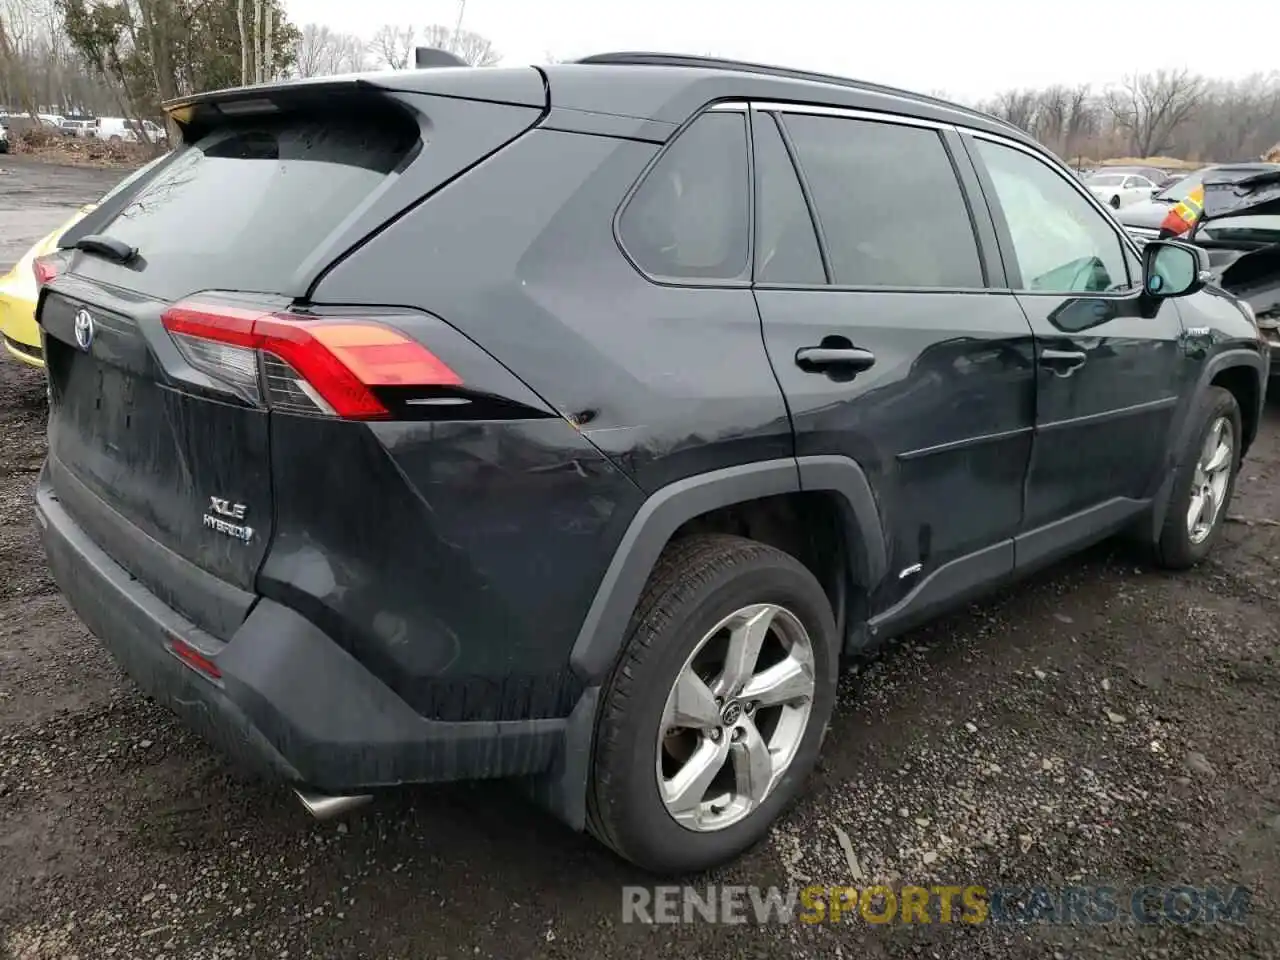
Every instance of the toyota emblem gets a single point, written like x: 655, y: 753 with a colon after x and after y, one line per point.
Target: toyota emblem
x: 84, y: 329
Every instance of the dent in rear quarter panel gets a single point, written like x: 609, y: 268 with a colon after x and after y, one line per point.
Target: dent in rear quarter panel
x: 456, y: 560
x: 519, y: 254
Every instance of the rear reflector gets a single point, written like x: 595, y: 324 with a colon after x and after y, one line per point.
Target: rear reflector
x: 319, y: 366
x: 195, y: 659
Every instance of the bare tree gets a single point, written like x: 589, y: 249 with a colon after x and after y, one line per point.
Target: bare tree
x: 244, y: 43
x: 1019, y: 108
x: 350, y: 54
x: 1150, y: 108
x: 1051, y: 116
x: 1082, y: 119
x: 475, y: 49
x: 257, y: 41
x: 314, y: 51
x: 393, y: 46
x: 268, y: 46
x: 9, y: 60
x: 321, y: 52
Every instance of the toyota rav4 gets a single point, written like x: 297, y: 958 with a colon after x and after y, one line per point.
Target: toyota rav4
x: 571, y: 424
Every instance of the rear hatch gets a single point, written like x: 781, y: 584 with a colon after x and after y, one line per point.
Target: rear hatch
x: 159, y: 439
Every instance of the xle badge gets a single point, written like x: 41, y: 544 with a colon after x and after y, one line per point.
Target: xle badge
x: 220, y: 515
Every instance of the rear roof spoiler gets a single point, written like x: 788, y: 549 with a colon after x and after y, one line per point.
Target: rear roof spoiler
x: 518, y: 86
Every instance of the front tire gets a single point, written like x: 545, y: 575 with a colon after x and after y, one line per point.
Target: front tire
x: 1115, y: 203
x: 1204, y: 482
x: 713, y: 716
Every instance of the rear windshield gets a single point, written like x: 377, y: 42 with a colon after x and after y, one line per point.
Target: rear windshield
x: 1261, y: 228
x: 243, y: 207
x: 1182, y: 189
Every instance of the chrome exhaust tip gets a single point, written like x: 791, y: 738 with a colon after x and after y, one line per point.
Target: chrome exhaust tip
x: 325, y: 807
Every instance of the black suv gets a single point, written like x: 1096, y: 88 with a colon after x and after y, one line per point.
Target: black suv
x: 570, y: 424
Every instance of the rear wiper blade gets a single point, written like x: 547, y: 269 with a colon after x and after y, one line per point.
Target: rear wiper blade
x: 109, y: 247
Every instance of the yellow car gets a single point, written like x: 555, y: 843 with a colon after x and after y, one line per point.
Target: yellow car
x: 18, y: 290
x: 18, y: 298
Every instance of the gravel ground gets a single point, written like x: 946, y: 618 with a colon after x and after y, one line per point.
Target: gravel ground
x: 1101, y: 724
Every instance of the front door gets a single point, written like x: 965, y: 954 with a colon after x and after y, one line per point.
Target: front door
x: 1110, y: 364
x: 887, y: 340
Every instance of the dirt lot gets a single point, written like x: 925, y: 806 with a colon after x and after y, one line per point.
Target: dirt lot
x: 1103, y: 724
x: 35, y: 197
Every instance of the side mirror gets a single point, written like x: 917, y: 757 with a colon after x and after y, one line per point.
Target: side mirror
x: 1172, y: 269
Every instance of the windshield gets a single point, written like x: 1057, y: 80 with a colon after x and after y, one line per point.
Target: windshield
x: 1177, y: 192
x: 1106, y: 180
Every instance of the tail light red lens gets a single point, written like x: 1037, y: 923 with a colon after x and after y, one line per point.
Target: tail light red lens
x: 319, y: 366
x: 45, y: 268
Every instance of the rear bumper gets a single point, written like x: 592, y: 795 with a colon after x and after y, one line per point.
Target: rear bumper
x: 291, y: 703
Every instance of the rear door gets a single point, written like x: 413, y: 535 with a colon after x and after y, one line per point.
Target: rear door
x: 888, y: 336
x: 159, y: 443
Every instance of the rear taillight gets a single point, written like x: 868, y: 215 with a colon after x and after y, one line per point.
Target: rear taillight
x: 332, y: 367
x: 46, y: 268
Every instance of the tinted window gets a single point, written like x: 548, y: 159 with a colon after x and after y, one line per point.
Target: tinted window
x: 786, y: 245
x: 244, y: 206
x: 689, y: 218
x: 891, y: 208
x: 1061, y: 242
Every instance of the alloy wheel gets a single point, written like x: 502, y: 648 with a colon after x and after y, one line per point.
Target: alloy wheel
x: 735, y: 717
x: 1210, y: 481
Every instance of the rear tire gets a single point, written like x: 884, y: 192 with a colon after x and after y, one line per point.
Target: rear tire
x: 1182, y: 542
x: 699, y: 584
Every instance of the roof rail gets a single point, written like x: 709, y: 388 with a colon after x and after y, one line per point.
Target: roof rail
x: 424, y: 57
x: 642, y: 58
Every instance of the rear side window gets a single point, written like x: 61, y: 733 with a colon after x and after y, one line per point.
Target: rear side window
x: 786, y: 245
x: 891, y: 208
x: 689, y: 219
x: 243, y: 207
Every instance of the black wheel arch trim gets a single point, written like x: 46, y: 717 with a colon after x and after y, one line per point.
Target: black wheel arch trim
x: 1228, y: 358
x: 604, y: 628
x: 1225, y: 360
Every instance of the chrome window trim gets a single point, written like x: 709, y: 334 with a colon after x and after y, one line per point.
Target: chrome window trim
x: 849, y: 113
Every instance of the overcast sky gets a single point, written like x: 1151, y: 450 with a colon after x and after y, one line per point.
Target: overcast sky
x: 968, y: 49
